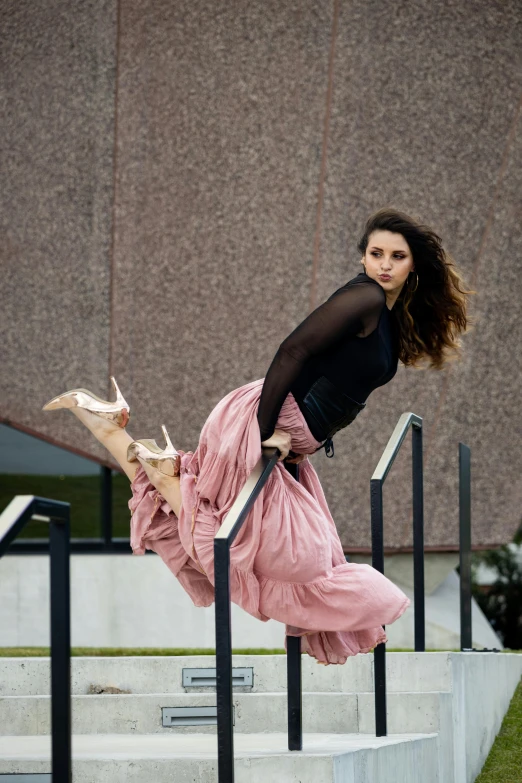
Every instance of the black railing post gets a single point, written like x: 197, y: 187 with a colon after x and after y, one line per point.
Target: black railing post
x: 379, y: 653
x: 223, y: 540
x: 418, y: 539
x: 465, y: 545
x: 294, y: 672
x: 59, y: 541
x: 106, y: 504
x: 57, y: 514
x: 295, y: 693
x: 224, y: 693
x: 406, y: 421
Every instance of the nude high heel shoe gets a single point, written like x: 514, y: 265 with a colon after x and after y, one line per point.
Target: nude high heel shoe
x: 165, y: 460
x: 117, y: 412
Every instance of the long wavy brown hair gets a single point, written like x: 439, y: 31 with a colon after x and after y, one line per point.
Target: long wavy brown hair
x: 433, y: 313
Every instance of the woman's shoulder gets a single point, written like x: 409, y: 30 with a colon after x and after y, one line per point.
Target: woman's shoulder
x: 366, y: 283
x: 362, y: 277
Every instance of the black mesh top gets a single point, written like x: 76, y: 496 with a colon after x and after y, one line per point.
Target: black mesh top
x: 351, y: 339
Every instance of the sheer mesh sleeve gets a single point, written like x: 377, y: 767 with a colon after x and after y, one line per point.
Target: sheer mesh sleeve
x: 350, y: 310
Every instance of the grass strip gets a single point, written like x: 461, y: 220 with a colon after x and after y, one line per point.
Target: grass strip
x: 44, y: 652
x: 504, y: 762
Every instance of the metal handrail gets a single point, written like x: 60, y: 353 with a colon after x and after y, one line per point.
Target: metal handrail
x: 57, y: 514
x: 105, y: 543
x: 466, y: 637
x: 393, y: 446
x: 465, y: 546
x: 84, y: 546
x: 222, y: 543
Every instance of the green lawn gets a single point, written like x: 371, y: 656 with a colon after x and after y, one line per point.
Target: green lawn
x: 504, y: 762
x: 82, y: 492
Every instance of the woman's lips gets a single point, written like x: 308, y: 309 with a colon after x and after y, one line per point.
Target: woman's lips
x: 385, y: 277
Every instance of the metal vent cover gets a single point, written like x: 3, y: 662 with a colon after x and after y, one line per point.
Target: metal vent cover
x: 242, y: 676
x: 191, y: 716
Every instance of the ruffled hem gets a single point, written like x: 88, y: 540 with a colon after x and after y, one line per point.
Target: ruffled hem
x: 151, y: 516
x: 342, y: 601
x: 326, y: 646
x: 335, y: 647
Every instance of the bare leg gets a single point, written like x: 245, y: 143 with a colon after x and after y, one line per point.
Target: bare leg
x: 115, y: 439
x: 168, y: 486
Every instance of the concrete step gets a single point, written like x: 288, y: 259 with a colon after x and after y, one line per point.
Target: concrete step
x: 163, y: 674
x: 333, y: 713
x: 260, y: 758
x: 466, y: 709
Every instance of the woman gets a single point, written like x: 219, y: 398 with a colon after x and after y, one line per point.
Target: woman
x: 287, y: 562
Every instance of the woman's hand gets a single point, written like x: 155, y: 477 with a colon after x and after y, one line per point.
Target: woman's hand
x: 280, y: 440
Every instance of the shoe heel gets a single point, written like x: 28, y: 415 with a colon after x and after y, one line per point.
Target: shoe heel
x: 168, y: 441
x: 119, y: 396
x: 171, y: 464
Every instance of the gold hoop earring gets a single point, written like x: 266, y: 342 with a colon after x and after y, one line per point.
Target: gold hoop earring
x: 417, y: 285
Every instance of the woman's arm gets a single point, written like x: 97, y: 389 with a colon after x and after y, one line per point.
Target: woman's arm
x: 348, y: 311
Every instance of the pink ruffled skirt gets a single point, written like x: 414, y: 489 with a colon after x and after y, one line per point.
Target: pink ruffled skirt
x: 287, y: 562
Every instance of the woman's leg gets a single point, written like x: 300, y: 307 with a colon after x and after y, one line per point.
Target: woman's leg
x: 168, y: 486
x: 115, y: 439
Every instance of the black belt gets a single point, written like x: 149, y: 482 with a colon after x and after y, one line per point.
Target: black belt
x: 327, y: 410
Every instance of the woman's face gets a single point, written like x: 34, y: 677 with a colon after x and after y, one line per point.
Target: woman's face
x: 388, y: 254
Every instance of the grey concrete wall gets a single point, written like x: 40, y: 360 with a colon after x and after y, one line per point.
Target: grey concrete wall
x: 148, y: 606
x: 183, y: 182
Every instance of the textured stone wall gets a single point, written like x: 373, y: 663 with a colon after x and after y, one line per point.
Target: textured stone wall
x: 184, y: 182
x: 57, y: 141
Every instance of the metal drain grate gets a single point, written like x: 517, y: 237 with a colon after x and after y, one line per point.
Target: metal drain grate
x: 206, y: 678
x: 190, y: 716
